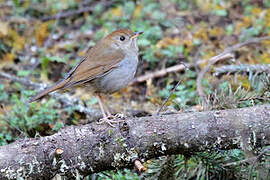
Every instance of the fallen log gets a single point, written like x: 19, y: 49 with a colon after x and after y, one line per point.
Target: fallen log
x: 81, y: 150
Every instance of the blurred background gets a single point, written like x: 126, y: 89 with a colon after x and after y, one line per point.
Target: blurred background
x: 40, y: 40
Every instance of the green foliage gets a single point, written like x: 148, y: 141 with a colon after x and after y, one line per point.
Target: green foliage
x: 161, y: 168
x: 45, y: 62
x: 26, y: 118
x: 229, y: 29
x: 3, y: 93
x: 185, y: 4
x: 125, y: 174
x: 225, y: 97
x: 185, y: 94
x: 172, y: 52
x: 149, y: 55
x: 215, y: 164
x: 3, y: 48
x: 23, y: 73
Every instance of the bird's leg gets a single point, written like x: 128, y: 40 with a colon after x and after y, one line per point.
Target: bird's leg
x: 107, y: 116
x: 101, y: 105
x: 105, y: 108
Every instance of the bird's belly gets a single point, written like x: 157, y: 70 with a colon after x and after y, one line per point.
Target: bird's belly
x: 118, y: 78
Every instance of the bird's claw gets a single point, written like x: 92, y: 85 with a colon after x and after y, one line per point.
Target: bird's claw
x: 110, y: 120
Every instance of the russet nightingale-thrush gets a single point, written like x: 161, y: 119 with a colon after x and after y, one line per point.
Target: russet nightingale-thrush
x: 107, y: 67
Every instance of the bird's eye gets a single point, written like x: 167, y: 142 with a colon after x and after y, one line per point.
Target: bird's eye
x: 122, y: 38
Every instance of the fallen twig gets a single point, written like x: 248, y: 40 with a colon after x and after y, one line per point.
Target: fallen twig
x: 139, y: 166
x: 160, y: 73
x: 240, y: 162
x: 254, y: 68
x: 77, y: 151
x: 226, y: 54
x: 163, y: 72
x: 167, y: 99
x: 69, y: 13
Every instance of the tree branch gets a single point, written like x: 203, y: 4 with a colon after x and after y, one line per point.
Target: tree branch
x: 242, y: 68
x: 80, y: 150
x: 69, y: 13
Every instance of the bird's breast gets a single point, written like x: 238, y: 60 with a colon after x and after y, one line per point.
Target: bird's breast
x: 119, y: 77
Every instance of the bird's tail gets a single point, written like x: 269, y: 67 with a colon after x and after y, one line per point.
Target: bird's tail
x: 46, y: 91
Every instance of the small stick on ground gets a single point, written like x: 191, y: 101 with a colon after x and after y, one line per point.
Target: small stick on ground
x: 163, y: 72
x: 239, y: 162
x: 172, y: 91
x: 139, y: 166
x: 70, y: 13
x: 242, y: 68
x: 160, y: 73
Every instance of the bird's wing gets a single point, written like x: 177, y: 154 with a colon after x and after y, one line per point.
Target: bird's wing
x: 99, y: 60
x: 94, y: 64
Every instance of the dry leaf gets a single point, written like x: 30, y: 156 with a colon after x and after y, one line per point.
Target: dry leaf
x: 137, y: 11
x: 17, y: 40
x: 3, y: 29
x: 117, y: 12
x: 167, y: 41
x: 41, y: 33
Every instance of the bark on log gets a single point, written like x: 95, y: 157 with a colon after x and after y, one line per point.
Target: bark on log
x: 81, y: 150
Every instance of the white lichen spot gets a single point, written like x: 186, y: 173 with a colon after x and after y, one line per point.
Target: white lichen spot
x: 36, y: 164
x: 134, y: 133
x: 242, y: 145
x: 9, y: 173
x: 22, y: 172
x: 63, y: 167
x: 54, y: 163
x: 101, y: 152
x: 30, y: 168
x: 132, y: 154
x: 186, y: 145
x: 91, y: 169
x: 254, y: 138
x: 117, y: 159
x: 236, y: 140
x: 82, y: 132
x: 163, y: 147
x: 219, y: 140
x: 82, y: 165
x: 120, y: 158
x: 78, y: 176
x: 160, y: 146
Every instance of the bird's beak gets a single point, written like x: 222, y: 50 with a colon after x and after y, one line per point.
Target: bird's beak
x: 136, y: 34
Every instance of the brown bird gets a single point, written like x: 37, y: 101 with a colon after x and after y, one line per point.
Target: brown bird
x: 107, y: 67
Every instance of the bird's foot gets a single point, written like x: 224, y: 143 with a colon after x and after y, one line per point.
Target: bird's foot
x: 111, y: 119
x: 120, y: 116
